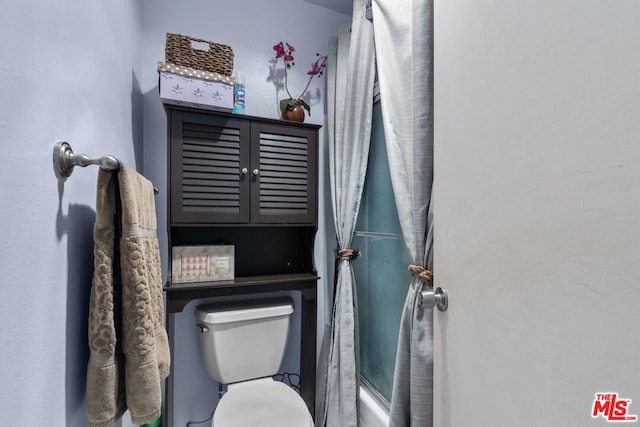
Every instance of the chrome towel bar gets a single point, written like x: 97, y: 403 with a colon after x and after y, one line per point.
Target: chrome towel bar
x: 64, y: 160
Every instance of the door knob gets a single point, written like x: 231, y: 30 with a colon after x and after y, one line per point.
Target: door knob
x: 256, y: 172
x: 431, y: 298
x: 244, y: 171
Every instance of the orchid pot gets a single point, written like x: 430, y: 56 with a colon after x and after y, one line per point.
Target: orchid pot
x: 293, y: 109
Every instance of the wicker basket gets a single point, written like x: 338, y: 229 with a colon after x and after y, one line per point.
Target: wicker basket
x: 218, y: 59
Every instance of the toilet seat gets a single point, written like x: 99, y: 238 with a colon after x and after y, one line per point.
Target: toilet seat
x: 261, y: 403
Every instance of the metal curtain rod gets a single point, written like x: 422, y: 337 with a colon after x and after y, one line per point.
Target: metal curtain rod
x: 64, y: 160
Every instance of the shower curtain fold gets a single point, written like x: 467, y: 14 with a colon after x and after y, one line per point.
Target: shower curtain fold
x: 403, y: 32
x: 350, y: 80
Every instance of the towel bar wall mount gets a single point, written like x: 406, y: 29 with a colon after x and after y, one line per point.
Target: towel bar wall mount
x: 64, y: 160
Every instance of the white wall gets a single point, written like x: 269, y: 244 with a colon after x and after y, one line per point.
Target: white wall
x: 537, y: 161
x: 68, y: 70
x: 251, y: 27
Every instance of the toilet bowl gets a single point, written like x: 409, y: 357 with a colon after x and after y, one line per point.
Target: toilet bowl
x: 242, y: 345
x: 261, y: 403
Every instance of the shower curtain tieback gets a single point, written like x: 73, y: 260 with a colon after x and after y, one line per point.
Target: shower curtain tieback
x: 348, y: 254
x: 421, y: 273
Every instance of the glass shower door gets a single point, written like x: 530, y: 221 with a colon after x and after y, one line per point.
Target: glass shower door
x: 381, y: 273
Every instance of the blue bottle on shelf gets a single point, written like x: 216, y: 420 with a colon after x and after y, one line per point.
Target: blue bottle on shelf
x: 238, y: 94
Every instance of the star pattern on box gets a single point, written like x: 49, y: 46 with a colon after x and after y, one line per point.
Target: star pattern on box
x: 186, y: 89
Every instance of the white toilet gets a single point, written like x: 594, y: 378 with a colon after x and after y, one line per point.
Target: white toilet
x: 242, y: 346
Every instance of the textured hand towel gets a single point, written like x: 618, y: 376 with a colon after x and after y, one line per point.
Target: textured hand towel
x: 127, y: 339
x: 105, y: 371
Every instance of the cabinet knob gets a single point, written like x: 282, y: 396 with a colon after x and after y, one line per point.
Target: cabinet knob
x: 256, y: 172
x: 244, y: 171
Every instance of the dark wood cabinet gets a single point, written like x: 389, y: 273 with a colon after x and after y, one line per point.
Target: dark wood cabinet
x: 252, y: 183
x: 227, y: 168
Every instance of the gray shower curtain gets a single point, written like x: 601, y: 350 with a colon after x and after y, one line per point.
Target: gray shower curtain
x: 403, y: 32
x: 350, y: 80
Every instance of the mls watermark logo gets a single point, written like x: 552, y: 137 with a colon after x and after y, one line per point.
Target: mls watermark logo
x: 612, y: 408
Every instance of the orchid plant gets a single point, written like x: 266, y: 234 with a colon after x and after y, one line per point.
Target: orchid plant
x: 317, y: 69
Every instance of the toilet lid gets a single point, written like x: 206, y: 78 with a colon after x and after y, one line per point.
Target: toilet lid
x: 262, y: 404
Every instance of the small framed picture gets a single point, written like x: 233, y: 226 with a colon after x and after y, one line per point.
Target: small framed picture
x: 202, y: 263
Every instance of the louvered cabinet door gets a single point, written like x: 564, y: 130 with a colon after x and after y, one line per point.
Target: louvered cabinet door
x: 284, y: 174
x: 210, y: 157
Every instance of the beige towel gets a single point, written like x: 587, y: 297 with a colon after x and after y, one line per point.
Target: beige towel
x: 127, y: 339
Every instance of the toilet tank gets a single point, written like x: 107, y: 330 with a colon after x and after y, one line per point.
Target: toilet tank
x: 240, y: 341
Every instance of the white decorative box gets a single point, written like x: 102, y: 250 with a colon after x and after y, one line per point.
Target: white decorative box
x: 202, y: 263
x: 194, y: 88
